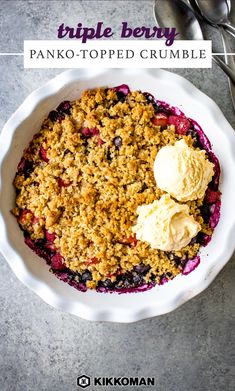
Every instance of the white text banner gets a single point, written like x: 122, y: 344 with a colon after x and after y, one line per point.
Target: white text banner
x: 117, y: 54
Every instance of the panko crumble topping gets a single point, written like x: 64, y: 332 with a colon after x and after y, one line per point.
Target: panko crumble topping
x: 82, y: 178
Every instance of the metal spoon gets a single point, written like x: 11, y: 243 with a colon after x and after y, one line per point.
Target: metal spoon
x: 229, y: 60
x: 216, y: 12
x: 178, y: 14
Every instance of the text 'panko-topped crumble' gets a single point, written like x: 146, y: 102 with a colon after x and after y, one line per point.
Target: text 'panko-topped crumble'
x: 97, y: 202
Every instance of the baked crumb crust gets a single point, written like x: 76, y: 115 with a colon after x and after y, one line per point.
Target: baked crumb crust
x: 82, y: 178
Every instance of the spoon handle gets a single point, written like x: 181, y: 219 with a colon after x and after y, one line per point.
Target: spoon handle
x: 224, y: 67
x: 230, y: 27
x: 229, y: 60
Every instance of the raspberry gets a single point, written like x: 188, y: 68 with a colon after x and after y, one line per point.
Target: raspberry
x: 23, y: 215
x: 43, y: 154
x: 92, y: 261
x: 182, y: 124
x: 50, y: 237
x: 131, y: 240
x: 57, y: 262
x: 62, y: 183
x: 212, y: 196
x: 160, y: 119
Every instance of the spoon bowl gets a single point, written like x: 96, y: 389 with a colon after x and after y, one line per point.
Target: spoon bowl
x: 172, y: 12
x: 204, y: 11
x: 178, y: 14
x: 216, y: 12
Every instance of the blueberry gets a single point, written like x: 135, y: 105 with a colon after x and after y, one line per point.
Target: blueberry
x: 178, y: 261
x: 174, y: 258
x: 53, y: 115
x: 25, y: 166
x: 117, y: 142
x: 64, y: 107
x: 200, y: 238
x: 150, y: 99
x: 121, y: 96
x: 86, y: 276
x: 125, y: 283
x: 28, y: 168
x: 194, y: 240
x: 142, y: 269
x: 194, y: 134
x: 56, y: 115
x: 162, y: 109
x: 107, y: 283
x: 41, y: 242
x: 137, y: 279
x: 70, y: 277
x: 123, y: 280
x: 73, y: 273
x: 206, y: 213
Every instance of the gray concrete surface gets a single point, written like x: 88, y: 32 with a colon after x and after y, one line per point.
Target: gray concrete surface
x: 42, y: 349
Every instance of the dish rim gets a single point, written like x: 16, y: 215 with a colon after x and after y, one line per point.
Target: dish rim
x: 13, y: 257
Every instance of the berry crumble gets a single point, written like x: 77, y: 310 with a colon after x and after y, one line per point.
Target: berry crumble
x: 82, y: 178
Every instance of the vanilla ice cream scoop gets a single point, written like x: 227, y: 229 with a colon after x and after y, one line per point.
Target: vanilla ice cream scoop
x: 183, y: 172
x: 165, y: 224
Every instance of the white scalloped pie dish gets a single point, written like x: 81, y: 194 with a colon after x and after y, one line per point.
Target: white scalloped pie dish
x: 34, y: 272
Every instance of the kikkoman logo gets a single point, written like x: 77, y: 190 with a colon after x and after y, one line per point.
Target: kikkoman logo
x: 85, y: 381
